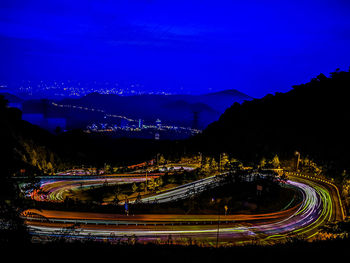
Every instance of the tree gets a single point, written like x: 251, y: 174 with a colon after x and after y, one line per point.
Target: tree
x: 50, y: 167
x: 224, y: 161
x: 206, y: 165
x: 214, y: 165
x: 108, y: 169
x: 275, y: 162
x: 134, y: 187
x: 151, y: 185
x: 235, y: 164
x: 161, y: 159
x: 262, y: 163
x: 12, y: 230
x: 142, y: 186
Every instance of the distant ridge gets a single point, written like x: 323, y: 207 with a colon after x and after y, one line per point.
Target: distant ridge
x: 231, y: 92
x: 171, y: 109
x: 10, y: 97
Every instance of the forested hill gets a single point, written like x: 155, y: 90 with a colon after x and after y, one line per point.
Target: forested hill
x: 312, y: 118
x: 27, y: 147
x: 24, y: 146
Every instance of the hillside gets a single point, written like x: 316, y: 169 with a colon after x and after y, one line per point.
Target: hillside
x: 25, y: 146
x: 28, y: 147
x: 171, y: 109
x: 221, y: 100
x: 312, y: 118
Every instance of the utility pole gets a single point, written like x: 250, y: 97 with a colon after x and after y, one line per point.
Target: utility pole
x: 217, y: 234
x: 146, y: 182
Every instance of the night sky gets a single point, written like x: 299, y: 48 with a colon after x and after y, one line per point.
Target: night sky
x: 257, y: 47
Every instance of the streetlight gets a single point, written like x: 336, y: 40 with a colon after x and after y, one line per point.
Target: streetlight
x: 201, y: 158
x: 146, y: 182
x: 298, y: 154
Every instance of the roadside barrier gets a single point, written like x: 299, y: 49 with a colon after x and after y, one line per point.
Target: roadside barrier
x: 329, y: 182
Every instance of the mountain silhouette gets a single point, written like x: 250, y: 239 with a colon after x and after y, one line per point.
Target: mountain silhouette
x: 171, y: 109
x: 311, y: 118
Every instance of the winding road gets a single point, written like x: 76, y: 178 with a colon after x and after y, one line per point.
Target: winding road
x: 57, y: 189
x: 319, y: 206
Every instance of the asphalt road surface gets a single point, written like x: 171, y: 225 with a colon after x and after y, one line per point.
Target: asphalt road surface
x: 319, y: 205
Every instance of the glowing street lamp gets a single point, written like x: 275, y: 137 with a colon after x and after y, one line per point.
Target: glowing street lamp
x: 298, y: 154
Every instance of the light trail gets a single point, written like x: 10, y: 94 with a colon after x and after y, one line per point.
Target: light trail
x: 183, y: 191
x: 303, y: 219
x: 57, y: 190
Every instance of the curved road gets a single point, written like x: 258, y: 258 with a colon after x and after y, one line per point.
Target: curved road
x: 318, y: 207
x: 56, y: 190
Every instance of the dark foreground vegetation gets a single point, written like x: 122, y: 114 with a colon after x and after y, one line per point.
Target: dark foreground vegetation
x: 292, y: 251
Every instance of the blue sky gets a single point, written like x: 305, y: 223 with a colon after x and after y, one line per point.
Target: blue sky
x: 257, y: 47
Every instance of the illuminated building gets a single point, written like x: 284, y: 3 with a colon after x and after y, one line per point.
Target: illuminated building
x: 158, y: 123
